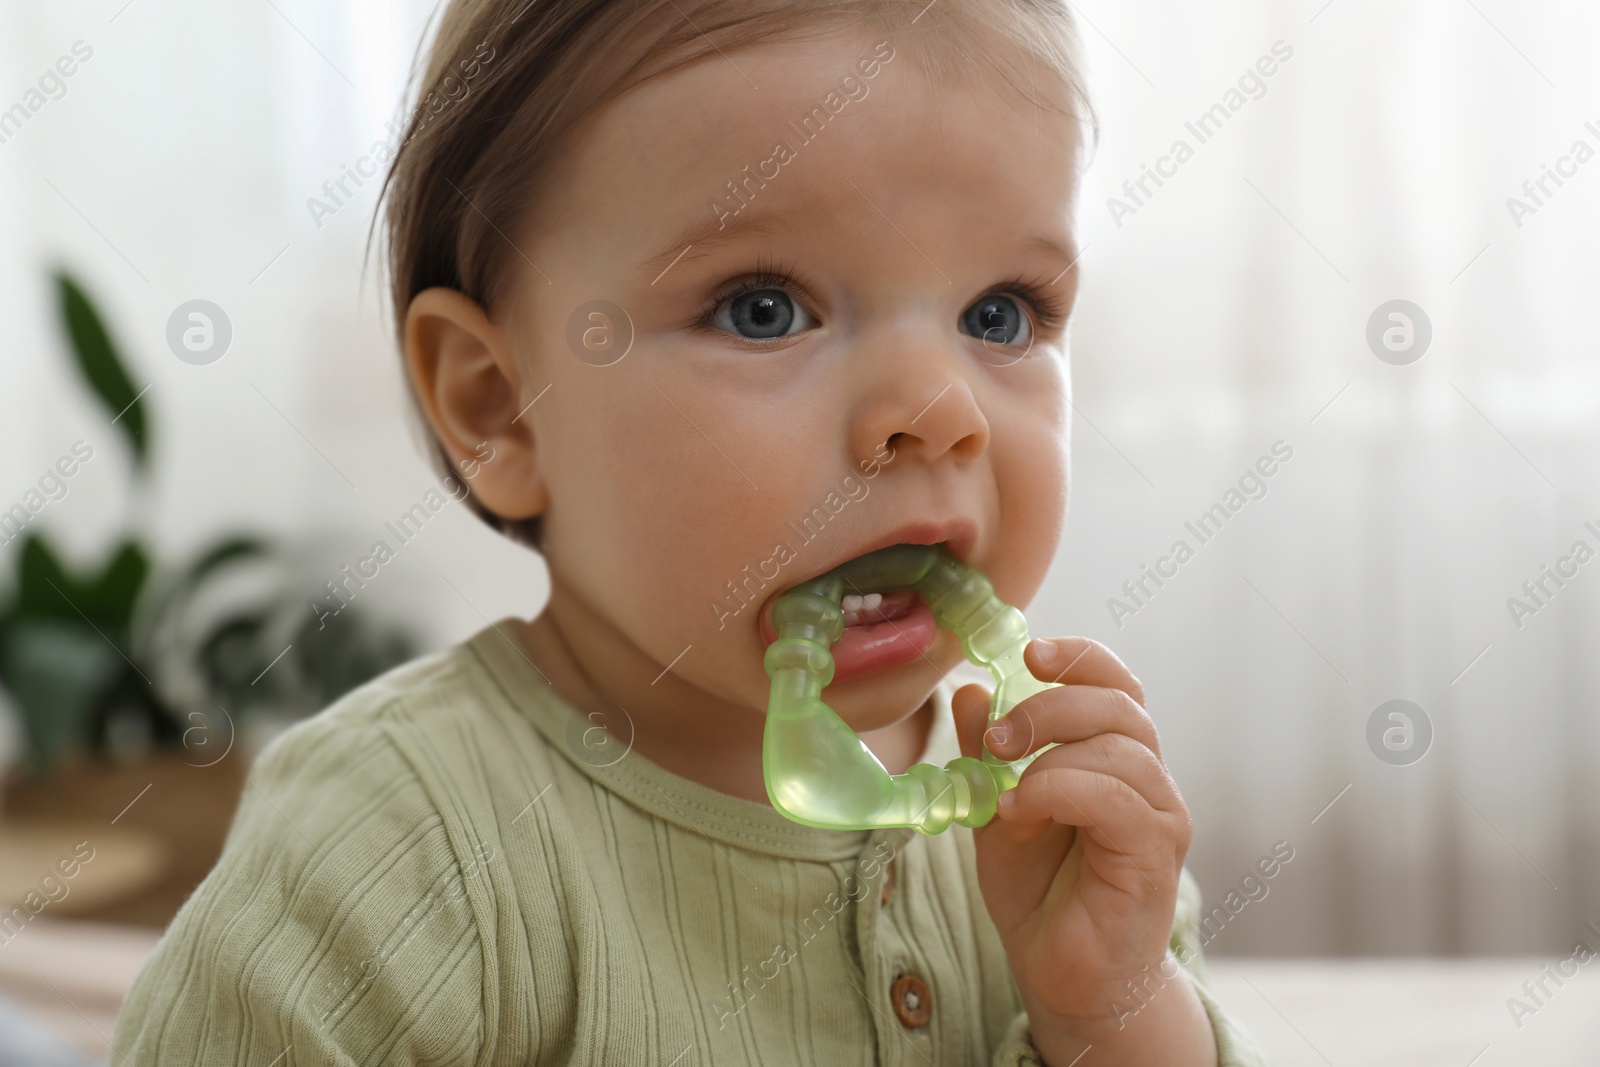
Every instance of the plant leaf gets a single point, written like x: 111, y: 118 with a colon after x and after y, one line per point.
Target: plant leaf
x: 44, y: 588
x: 114, y: 594
x: 97, y: 358
x: 47, y: 590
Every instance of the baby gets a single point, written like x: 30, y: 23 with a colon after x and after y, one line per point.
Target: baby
x: 705, y: 298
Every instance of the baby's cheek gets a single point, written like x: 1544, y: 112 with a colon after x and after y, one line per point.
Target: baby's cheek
x: 675, y: 502
x: 684, y: 568
x: 685, y: 612
x: 1031, y: 476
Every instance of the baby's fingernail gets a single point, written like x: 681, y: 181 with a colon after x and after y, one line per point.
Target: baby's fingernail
x: 1048, y: 652
x: 998, y: 733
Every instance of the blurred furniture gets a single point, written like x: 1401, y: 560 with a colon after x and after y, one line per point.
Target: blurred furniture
x: 156, y: 827
x: 71, y: 977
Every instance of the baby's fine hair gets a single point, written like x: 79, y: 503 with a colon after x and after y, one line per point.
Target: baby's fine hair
x: 506, y: 82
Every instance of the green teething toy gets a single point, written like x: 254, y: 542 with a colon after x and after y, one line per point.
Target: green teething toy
x: 818, y: 771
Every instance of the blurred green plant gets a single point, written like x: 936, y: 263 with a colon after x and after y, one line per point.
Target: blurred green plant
x: 93, y: 658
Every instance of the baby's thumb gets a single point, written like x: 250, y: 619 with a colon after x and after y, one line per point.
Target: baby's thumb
x: 970, y: 708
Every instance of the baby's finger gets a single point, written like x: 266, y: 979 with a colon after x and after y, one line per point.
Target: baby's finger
x: 1110, y: 810
x: 1121, y: 757
x: 1079, y: 661
x: 1070, y: 713
x: 970, y: 708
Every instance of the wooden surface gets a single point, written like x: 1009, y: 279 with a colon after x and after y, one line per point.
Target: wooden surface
x: 41, y: 870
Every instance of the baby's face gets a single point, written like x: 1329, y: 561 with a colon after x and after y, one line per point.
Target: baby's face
x: 867, y: 349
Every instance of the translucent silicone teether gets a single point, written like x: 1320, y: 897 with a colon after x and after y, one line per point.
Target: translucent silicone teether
x: 818, y: 771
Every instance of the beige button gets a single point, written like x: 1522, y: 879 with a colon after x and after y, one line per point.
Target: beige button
x: 888, y: 882
x: 913, y: 1004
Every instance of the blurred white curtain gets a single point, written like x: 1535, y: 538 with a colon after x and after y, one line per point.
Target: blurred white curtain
x: 1230, y: 312
x: 1227, y: 312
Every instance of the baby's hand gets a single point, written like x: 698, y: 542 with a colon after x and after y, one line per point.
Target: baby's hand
x: 1080, y: 869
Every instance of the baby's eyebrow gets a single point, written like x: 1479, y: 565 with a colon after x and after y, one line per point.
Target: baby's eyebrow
x: 706, y: 235
x: 1052, y: 247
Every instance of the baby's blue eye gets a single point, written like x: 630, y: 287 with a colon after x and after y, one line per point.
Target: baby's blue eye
x: 997, y: 320
x: 761, y: 315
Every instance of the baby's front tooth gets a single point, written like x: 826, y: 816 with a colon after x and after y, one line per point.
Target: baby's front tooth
x: 871, y: 601
x: 850, y: 603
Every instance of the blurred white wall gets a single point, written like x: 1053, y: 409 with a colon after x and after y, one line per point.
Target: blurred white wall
x: 1226, y: 312
x: 176, y: 167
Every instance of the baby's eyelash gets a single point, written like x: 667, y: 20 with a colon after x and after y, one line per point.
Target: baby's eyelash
x: 768, y: 275
x: 1050, y: 308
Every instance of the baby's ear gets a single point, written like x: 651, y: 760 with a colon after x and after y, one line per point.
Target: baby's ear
x: 471, y: 387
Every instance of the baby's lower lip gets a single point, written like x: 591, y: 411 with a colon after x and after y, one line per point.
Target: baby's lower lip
x: 870, y: 647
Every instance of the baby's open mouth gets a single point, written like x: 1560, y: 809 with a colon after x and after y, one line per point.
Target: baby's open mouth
x: 883, y: 628
x: 876, y: 607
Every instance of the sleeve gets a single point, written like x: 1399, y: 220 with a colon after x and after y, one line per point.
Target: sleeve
x: 1235, y: 1046
x: 336, y: 928
x: 1016, y: 1048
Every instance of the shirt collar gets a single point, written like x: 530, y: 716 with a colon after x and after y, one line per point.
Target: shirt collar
x: 717, y: 816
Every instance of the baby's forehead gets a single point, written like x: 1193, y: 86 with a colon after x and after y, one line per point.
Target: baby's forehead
x: 803, y: 87
x: 797, y: 139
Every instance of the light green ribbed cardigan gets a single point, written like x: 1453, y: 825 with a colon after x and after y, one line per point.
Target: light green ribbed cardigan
x: 440, y: 869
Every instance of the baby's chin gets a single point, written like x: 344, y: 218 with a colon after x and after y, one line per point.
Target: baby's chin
x: 882, y: 699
